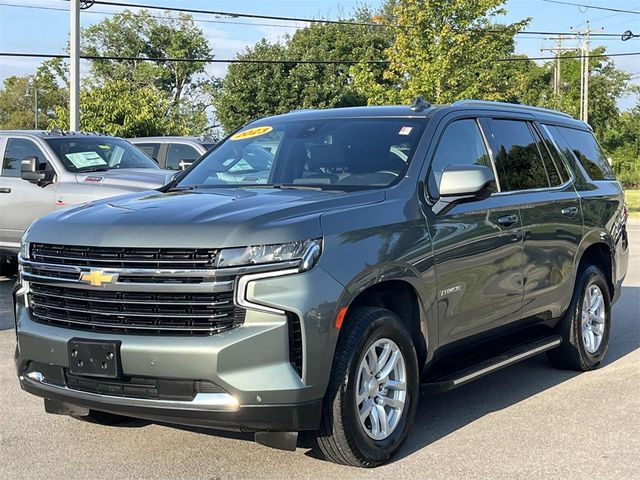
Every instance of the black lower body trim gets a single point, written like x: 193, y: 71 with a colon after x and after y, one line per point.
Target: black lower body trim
x: 250, y: 418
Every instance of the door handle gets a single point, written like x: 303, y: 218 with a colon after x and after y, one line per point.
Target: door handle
x: 570, y: 211
x: 5, y: 190
x: 508, y: 220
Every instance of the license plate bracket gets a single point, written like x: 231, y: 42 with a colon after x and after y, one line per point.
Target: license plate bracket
x: 95, y: 358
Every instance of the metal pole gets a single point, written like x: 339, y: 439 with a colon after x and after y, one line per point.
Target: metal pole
x: 35, y: 101
x: 586, y: 75
x: 74, y: 66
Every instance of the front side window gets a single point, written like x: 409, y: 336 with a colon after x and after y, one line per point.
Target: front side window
x: 179, y: 152
x: 518, y: 160
x: 337, y: 153
x: 586, y: 149
x: 460, y: 144
x: 92, y: 154
x: 17, y: 150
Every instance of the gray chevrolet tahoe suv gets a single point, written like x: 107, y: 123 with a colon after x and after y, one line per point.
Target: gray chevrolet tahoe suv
x: 384, y: 248
x: 43, y: 171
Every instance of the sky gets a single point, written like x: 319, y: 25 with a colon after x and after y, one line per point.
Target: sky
x: 36, y: 30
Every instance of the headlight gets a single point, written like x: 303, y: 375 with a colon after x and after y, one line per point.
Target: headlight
x: 306, y: 251
x: 24, y: 249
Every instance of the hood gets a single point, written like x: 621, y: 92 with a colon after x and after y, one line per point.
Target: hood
x: 131, y: 179
x: 197, y: 219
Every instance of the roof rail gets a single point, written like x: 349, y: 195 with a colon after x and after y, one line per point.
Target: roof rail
x: 487, y: 103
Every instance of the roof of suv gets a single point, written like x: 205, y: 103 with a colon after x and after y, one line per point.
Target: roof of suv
x: 407, y: 111
x: 173, y: 137
x: 55, y: 133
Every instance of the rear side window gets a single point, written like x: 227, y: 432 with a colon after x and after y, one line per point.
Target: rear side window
x: 151, y: 149
x: 460, y: 144
x: 179, y: 152
x: 518, y: 160
x: 586, y: 149
x: 17, y: 150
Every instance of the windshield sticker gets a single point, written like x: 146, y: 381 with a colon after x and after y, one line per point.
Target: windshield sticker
x: 405, y: 131
x: 85, y: 159
x: 252, y: 132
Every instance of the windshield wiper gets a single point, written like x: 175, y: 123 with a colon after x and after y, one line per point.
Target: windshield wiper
x: 181, y: 189
x: 92, y: 169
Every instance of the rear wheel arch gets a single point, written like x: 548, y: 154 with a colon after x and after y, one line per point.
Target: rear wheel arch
x: 599, y: 254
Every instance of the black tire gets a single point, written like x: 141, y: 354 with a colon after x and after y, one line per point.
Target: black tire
x: 103, y: 418
x: 341, y: 437
x: 572, y: 353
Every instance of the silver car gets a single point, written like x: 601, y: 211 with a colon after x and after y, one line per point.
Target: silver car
x: 44, y: 171
x: 174, y: 153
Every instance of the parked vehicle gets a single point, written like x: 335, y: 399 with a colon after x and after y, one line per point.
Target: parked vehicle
x: 387, y: 247
x: 45, y: 171
x: 174, y: 153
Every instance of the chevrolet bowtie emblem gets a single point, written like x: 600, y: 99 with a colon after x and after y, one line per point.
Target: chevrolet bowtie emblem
x: 97, y: 277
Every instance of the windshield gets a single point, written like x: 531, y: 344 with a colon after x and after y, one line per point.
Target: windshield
x: 98, y: 154
x: 345, y: 153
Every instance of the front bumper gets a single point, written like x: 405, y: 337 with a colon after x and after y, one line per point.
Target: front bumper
x: 251, y: 364
x: 215, y: 410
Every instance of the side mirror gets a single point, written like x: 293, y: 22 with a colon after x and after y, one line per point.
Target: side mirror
x: 464, y: 183
x: 30, y: 171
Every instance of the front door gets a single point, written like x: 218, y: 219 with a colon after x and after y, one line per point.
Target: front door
x: 478, y: 246
x: 21, y: 202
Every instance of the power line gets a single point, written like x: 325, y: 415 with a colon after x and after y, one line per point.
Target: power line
x: 307, y: 20
x: 588, y: 6
x: 197, y: 20
x: 305, y: 62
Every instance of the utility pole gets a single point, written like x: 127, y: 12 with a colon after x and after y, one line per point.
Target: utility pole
x: 584, y: 74
x: 557, y: 51
x: 74, y: 66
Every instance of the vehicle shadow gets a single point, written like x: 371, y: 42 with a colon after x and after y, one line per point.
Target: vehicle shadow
x: 442, y: 414
x: 7, y: 280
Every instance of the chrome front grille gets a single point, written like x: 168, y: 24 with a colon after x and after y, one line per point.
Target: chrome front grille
x: 134, y: 312
x: 186, y: 297
x: 117, y: 257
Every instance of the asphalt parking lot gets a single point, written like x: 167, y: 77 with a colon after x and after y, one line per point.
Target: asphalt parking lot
x: 526, y: 421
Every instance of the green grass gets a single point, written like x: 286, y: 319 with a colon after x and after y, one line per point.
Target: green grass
x: 633, y: 201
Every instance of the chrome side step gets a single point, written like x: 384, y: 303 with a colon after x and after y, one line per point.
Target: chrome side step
x: 510, y: 357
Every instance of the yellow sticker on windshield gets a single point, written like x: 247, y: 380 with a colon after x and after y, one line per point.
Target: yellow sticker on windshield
x: 252, y: 132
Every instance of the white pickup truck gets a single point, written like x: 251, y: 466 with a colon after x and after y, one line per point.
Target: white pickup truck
x: 42, y: 171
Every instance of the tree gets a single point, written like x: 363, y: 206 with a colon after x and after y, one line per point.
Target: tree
x: 607, y: 84
x: 444, y: 50
x: 17, y: 99
x: 252, y: 90
x: 134, y: 97
x: 121, y: 109
x: 622, y: 143
x: 142, y: 35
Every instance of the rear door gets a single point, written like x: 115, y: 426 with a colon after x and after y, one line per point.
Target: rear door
x: 478, y: 245
x: 533, y: 174
x: 180, y: 156
x: 21, y: 202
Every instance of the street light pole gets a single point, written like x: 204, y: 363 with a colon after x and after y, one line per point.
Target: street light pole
x: 35, y: 102
x: 74, y: 66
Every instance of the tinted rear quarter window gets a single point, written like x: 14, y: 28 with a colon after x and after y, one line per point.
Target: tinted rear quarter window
x: 586, y: 149
x: 518, y: 160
